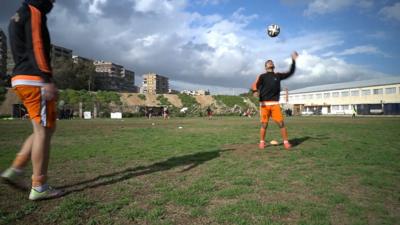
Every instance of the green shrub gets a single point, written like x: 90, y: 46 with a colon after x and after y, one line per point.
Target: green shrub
x: 231, y: 101
x: 188, y: 101
x: 142, y: 96
x: 3, y: 92
x: 163, y: 100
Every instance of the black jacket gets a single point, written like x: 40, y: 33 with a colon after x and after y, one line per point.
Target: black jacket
x: 30, y: 40
x: 269, y: 84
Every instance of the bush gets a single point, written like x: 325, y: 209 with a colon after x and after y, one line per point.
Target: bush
x: 132, y: 115
x: 103, y: 99
x: 187, y: 100
x: 3, y: 92
x: 231, y: 101
x: 191, y: 103
x: 142, y: 96
x: 163, y: 100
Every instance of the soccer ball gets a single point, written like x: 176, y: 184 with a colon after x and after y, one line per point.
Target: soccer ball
x: 273, y: 30
x: 273, y: 142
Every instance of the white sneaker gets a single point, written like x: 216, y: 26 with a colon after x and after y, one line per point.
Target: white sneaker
x: 46, y: 194
x: 14, y: 177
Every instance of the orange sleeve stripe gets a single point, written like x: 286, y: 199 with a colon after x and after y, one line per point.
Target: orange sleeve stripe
x: 37, y: 40
x: 254, y: 85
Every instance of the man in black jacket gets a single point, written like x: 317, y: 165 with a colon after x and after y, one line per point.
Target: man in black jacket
x: 268, y: 88
x: 33, y: 83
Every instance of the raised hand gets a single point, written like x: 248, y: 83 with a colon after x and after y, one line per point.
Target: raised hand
x: 295, y: 55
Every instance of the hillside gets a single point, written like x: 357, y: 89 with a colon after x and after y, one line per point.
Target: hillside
x: 219, y: 103
x: 132, y: 102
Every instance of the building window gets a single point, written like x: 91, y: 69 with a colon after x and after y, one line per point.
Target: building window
x: 389, y: 91
x: 335, y: 108
x: 378, y: 91
x: 345, y: 93
x: 318, y: 96
x: 366, y: 92
x: 335, y: 94
x: 345, y: 107
x: 310, y: 96
x: 303, y: 97
x: 327, y: 95
x: 355, y: 93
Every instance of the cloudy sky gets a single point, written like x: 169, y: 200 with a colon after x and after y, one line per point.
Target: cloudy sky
x: 221, y: 45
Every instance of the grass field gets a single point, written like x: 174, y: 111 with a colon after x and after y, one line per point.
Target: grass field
x: 341, y: 171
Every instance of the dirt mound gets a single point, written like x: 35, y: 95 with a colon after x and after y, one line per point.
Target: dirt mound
x: 132, y: 99
x: 205, y: 100
x: 174, y: 99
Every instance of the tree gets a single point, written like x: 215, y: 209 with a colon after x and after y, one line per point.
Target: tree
x: 77, y: 76
x: 3, y: 91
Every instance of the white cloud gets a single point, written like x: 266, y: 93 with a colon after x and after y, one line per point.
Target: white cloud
x: 314, y: 70
x: 362, y: 49
x: 94, y: 6
x: 220, y: 52
x: 379, y: 35
x: 391, y: 12
x: 328, y: 6
x: 210, y: 2
x: 158, y: 6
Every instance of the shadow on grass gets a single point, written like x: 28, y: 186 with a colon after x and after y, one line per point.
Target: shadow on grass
x: 190, y: 161
x: 298, y: 141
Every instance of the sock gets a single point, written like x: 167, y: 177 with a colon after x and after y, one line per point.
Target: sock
x: 41, y: 188
x: 286, y: 142
x: 20, y: 161
x: 38, y: 181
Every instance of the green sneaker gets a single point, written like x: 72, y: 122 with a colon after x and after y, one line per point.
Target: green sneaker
x: 46, y: 194
x: 14, y: 177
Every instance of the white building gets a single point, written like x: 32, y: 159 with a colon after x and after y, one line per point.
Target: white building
x: 378, y: 96
x: 154, y: 84
x: 196, y: 93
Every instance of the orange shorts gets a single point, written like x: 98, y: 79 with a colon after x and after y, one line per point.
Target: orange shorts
x: 39, y: 109
x: 267, y: 111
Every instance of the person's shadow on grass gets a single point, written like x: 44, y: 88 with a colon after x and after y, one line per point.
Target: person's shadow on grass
x: 298, y: 141
x: 189, y: 161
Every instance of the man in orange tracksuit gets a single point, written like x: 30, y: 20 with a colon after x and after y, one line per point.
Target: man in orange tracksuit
x: 268, y: 87
x: 33, y: 83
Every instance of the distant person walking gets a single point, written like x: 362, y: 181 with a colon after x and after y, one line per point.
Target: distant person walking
x: 33, y: 83
x: 354, y: 112
x: 165, y: 113
x: 150, y: 113
x: 268, y: 87
x: 209, y: 113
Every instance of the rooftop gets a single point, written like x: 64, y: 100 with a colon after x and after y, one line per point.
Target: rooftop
x: 348, y: 85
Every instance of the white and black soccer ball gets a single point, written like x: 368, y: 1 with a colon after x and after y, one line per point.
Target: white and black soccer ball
x: 273, y: 30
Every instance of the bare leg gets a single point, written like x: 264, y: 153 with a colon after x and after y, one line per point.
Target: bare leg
x: 284, y: 134
x: 283, y: 130
x: 263, y: 131
x: 40, y: 153
x: 24, y: 154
